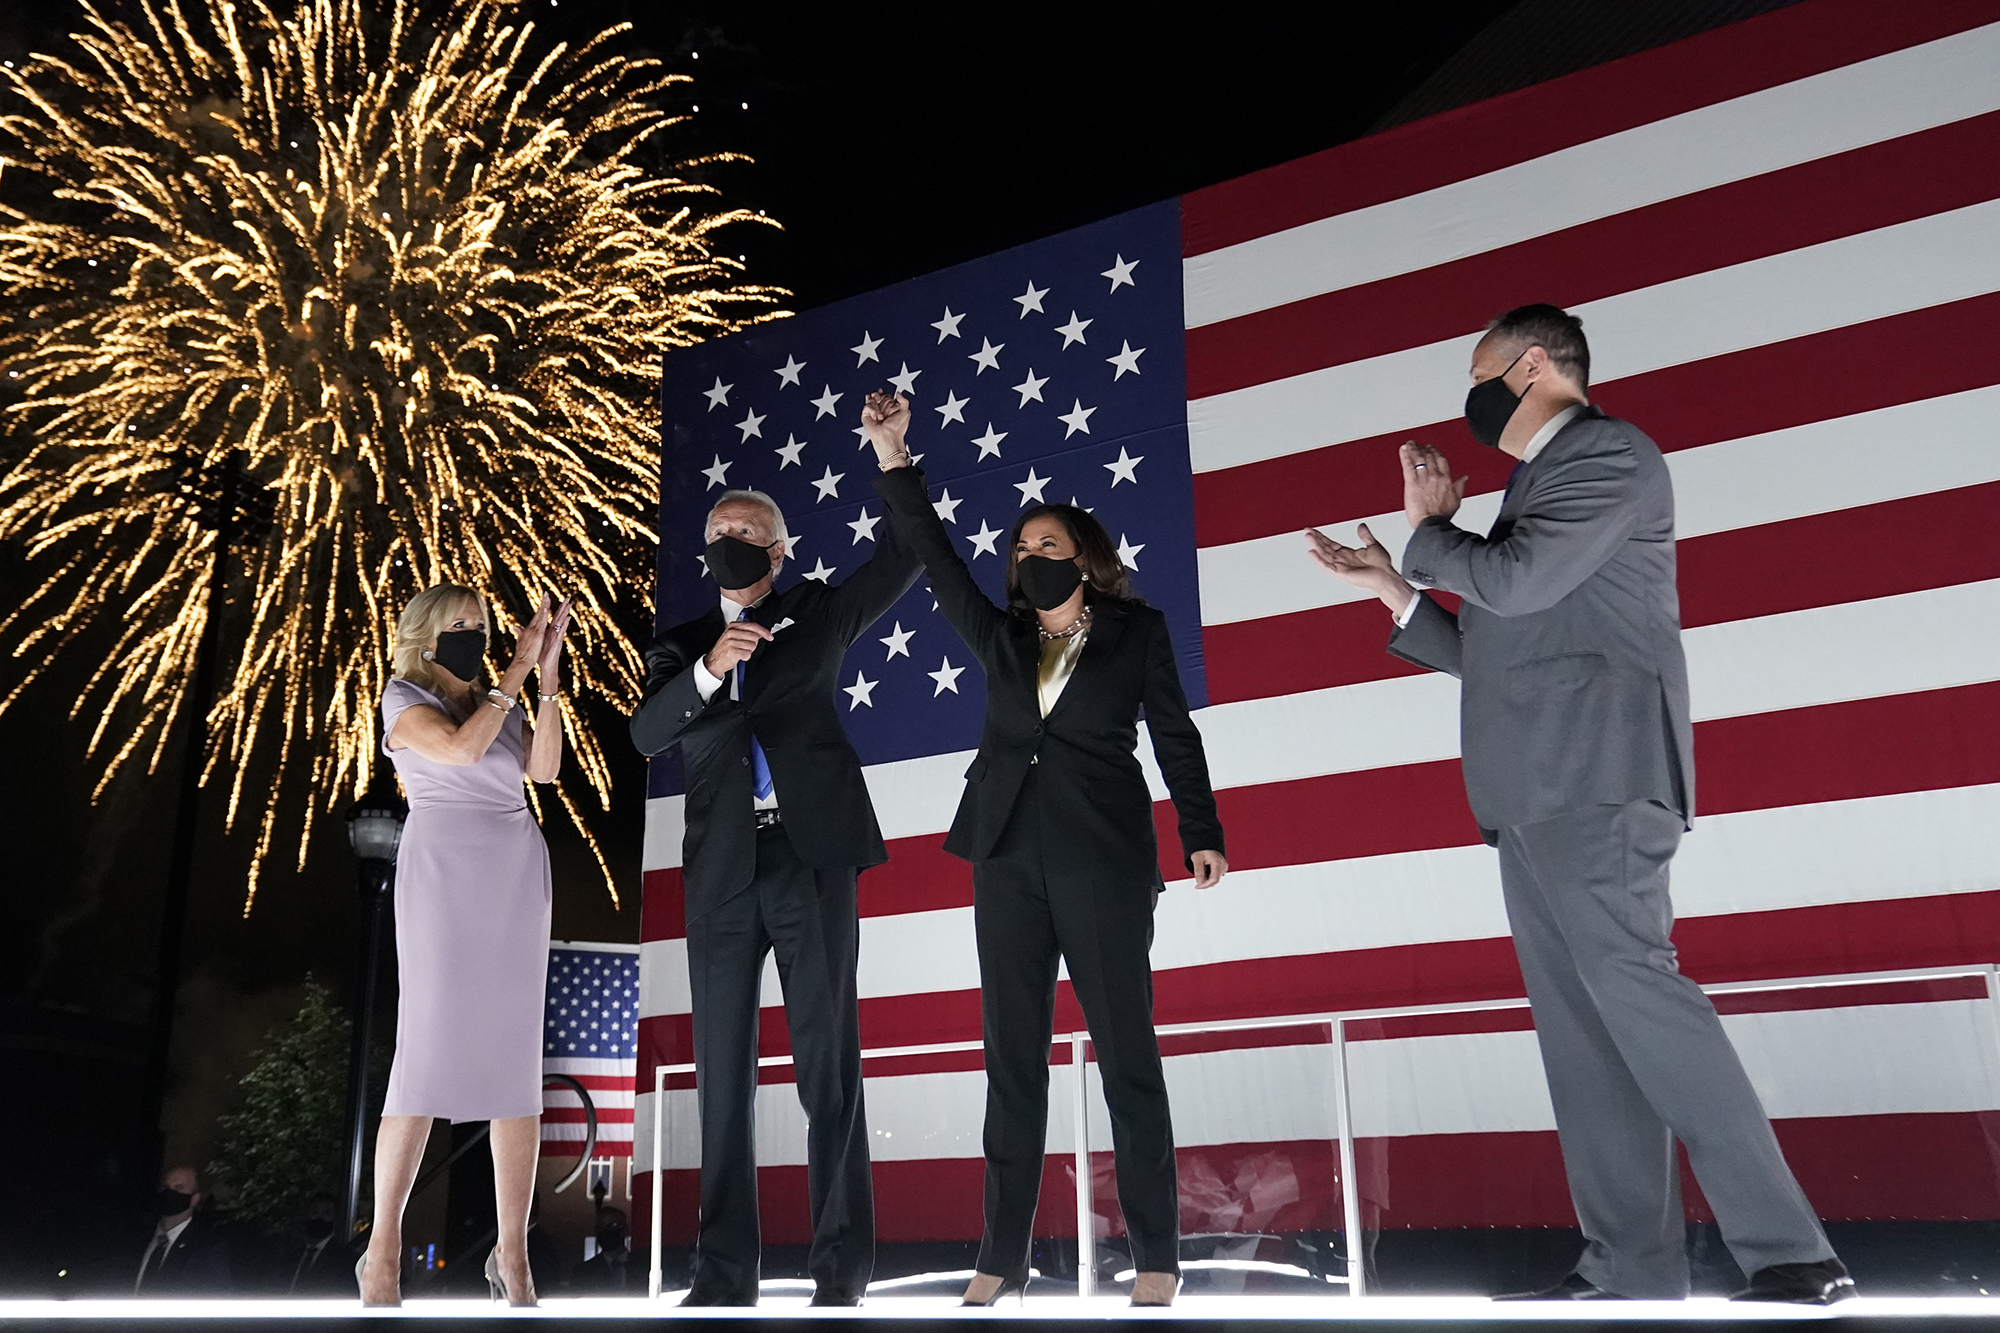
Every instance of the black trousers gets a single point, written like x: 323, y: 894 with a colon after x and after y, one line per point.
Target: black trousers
x: 808, y: 917
x: 1032, y: 907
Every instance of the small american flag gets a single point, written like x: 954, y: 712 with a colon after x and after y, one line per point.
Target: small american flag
x: 590, y: 1030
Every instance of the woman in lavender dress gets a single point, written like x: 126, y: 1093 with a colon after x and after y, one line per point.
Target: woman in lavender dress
x: 472, y: 914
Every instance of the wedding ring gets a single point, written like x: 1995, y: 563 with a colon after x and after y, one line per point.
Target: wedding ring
x: 1420, y: 467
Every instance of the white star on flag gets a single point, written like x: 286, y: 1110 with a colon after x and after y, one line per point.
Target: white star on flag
x: 864, y: 527
x: 1030, y: 388
x: 788, y: 374
x: 1031, y: 489
x: 987, y: 357
x: 819, y: 571
x: 861, y: 435
x: 1120, y: 273
x: 719, y: 395
x: 1128, y: 554
x: 946, y: 677
x: 752, y: 424
x: 1077, y: 418
x: 982, y: 540
x: 1075, y: 503
x: 1127, y: 360
x: 825, y: 402
x: 947, y: 508
x: 953, y: 410
x: 865, y: 349
x: 906, y: 383
x: 898, y: 640
x: 1125, y: 469
x: 1072, y: 332
x: 860, y: 690
x: 989, y: 443
x: 788, y: 453
x: 1031, y: 299
x: 717, y: 473
x: 948, y: 326
x: 792, y: 540
x: 828, y: 486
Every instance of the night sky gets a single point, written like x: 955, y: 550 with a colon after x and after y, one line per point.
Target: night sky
x: 888, y: 142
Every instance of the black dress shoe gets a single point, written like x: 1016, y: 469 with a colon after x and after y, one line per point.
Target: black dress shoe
x: 697, y: 1298
x: 832, y: 1296
x: 1822, y: 1283
x: 1575, y: 1287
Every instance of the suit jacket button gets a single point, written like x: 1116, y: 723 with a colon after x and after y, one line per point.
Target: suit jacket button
x: 1038, y: 729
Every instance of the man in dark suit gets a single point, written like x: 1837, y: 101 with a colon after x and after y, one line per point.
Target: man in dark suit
x: 319, y: 1265
x: 188, y: 1254
x: 779, y: 824
x: 1579, y: 766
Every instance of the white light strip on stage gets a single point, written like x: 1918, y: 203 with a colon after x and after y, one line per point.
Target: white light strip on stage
x: 1900, y: 93
x: 1234, y: 1307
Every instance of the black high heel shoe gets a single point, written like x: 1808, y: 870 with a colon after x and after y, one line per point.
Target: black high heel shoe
x: 1007, y: 1287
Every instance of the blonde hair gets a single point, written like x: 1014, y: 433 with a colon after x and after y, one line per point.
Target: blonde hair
x: 428, y: 612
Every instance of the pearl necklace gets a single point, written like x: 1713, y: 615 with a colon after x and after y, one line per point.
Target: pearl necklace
x: 1079, y: 623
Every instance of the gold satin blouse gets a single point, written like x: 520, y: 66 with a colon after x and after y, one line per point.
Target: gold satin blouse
x: 1059, y: 657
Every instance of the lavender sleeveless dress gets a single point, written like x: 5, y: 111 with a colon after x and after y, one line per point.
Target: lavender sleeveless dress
x: 472, y: 930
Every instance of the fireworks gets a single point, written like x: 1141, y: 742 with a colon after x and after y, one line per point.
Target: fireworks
x: 416, y: 267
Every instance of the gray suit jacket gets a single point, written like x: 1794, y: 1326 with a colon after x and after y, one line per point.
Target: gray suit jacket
x: 1568, y: 645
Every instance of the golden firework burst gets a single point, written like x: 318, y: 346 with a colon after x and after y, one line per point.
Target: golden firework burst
x: 414, y: 265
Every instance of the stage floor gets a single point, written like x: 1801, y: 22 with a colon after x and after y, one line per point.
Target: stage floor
x: 1399, y: 1314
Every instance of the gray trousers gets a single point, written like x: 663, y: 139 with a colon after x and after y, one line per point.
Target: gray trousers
x: 1636, y: 1057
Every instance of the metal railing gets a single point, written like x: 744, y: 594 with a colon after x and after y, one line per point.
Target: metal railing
x: 1339, y: 1093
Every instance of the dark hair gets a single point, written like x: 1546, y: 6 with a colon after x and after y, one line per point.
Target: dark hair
x: 1550, y: 328
x: 1105, y: 574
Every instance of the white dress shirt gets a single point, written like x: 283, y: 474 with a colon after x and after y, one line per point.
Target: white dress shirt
x: 1536, y: 443
x: 706, y: 683
x: 156, y: 1253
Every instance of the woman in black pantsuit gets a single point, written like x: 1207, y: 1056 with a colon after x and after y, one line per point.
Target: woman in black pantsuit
x: 1058, y: 823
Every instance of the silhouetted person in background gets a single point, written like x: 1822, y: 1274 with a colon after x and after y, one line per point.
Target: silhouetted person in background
x: 319, y: 1265
x: 188, y: 1254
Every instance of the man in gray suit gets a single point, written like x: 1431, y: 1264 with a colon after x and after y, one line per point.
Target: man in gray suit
x: 1579, y: 766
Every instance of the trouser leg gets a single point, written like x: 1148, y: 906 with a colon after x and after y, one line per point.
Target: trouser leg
x: 1616, y: 915
x: 726, y: 949
x: 1617, y: 1153
x: 1106, y: 933
x: 1017, y: 995
x: 814, y: 930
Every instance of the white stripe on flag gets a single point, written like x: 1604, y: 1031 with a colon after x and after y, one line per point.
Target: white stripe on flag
x: 1892, y: 95
x: 1912, y: 265
x: 1934, y: 444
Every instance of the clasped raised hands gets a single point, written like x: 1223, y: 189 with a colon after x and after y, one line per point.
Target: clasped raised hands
x: 886, y: 419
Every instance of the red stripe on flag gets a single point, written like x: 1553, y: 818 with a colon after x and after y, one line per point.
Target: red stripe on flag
x: 1936, y: 931
x: 1941, y: 349
x: 1880, y: 185
x: 1729, y: 62
x: 1925, y: 541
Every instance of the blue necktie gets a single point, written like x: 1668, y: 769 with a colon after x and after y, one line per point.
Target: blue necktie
x: 760, y: 770
x: 1512, y: 477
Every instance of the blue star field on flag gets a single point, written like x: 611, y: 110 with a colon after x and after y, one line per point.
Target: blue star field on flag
x: 592, y: 1011
x: 1051, y: 372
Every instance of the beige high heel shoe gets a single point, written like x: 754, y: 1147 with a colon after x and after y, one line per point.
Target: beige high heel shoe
x: 496, y: 1287
x: 1155, y: 1288
x: 360, y: 1269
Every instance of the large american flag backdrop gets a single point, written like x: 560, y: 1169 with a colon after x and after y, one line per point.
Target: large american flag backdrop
x: 1783, y: 238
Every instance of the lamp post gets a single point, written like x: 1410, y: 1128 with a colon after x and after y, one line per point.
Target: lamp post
x: 374, y: 829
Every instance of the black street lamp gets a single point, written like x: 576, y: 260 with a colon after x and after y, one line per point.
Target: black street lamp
x: 374, y: 829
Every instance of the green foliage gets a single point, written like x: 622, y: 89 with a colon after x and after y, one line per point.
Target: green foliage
x: 287, y: 1138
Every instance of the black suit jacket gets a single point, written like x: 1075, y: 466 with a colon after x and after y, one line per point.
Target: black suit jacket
x: 1087, y: 748
x: 789, y: 686
x: 198, y: 1264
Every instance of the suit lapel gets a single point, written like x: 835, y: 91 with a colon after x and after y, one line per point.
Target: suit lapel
x: 1108, y: 625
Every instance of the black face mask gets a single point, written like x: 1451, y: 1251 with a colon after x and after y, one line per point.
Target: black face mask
x: 1047, y: 583
x: 170, y: 1203
x: 461, y: 652
x: 735, y: 564
x: 318, y: 1228
x: 1490, y: 404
